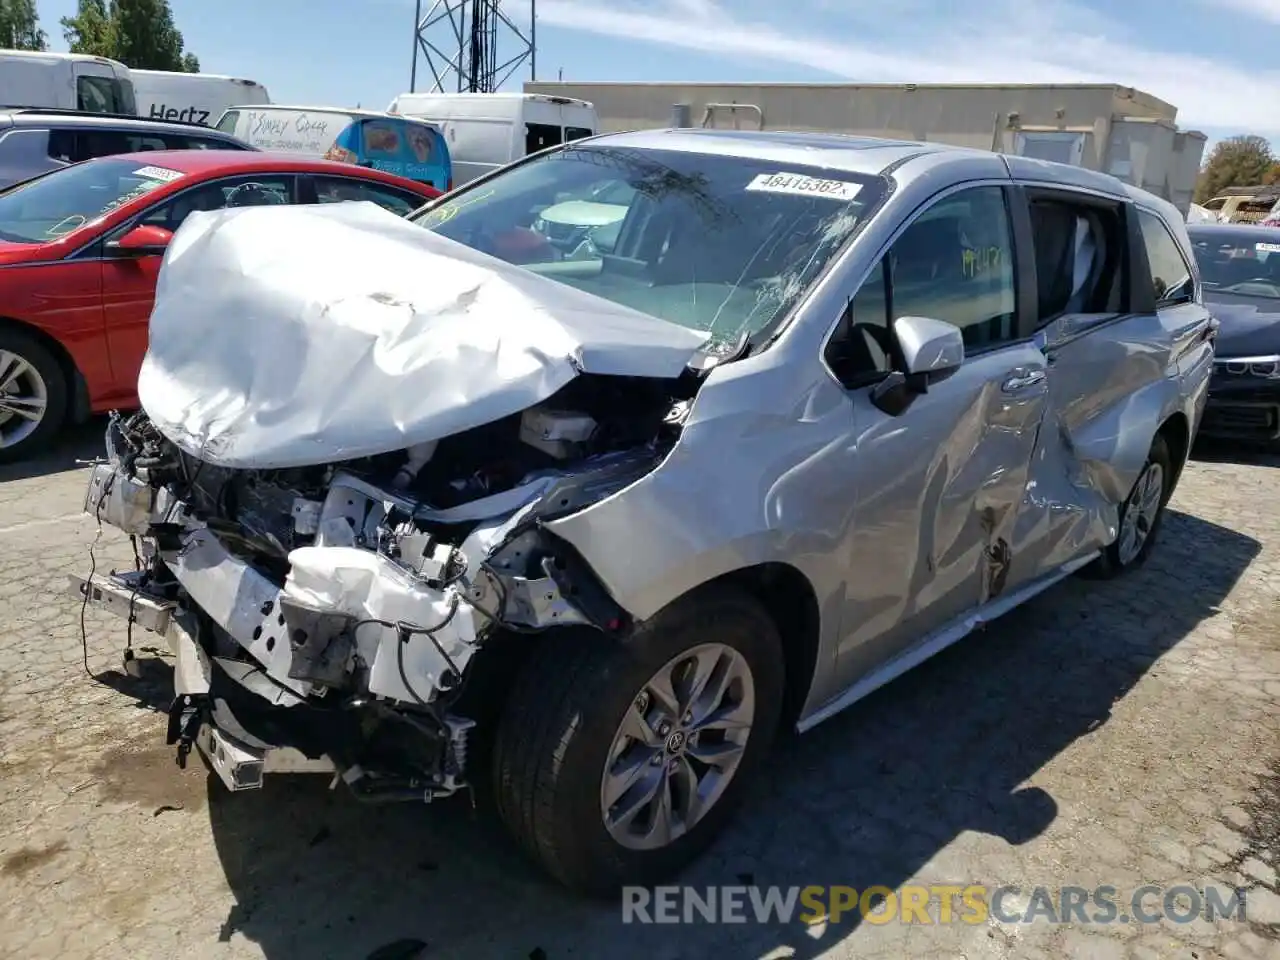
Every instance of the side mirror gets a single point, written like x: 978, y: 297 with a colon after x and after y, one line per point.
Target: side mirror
x: 141, y: 241
x: 932, y: 350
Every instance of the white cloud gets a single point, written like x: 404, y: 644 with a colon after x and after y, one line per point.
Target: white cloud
x: 1268, y: 10
x: 1052, y: 41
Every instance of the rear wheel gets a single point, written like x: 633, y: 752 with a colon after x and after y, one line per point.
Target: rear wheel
x: 33, y: 396
x: 617, y: 763
x: 1140, y: 515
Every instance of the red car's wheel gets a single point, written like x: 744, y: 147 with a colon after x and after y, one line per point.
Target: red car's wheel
x: 33, y: 396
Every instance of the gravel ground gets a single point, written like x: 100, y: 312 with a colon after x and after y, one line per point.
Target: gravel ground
x: 1121, y: 733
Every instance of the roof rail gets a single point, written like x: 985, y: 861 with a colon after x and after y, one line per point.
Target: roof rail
x: 97, y: 115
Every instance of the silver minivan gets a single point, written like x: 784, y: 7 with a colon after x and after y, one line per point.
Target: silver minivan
x: 583, y: 517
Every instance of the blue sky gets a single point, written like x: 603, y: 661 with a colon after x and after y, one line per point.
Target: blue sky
x: 1213, y: 59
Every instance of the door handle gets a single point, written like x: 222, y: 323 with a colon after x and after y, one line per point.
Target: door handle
x: 1019, y: 383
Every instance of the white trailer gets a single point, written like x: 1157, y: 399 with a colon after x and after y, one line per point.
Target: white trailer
x: 193, y: 97
x: 65, y: 81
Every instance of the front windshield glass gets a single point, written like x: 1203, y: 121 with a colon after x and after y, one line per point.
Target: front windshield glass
x: 57, y: 204
x: 1244, y: 263
x: 719, y: 243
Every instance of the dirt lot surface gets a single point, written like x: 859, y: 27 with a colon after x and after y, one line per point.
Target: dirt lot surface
x: 1124, y: 733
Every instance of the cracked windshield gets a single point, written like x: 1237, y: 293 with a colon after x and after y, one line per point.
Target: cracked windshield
x: 725, y: 244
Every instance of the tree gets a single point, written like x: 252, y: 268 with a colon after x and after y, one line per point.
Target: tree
x: 20, y: 26
x: 139, y: 33
x: 90, y: 30
x: 1243, y: 161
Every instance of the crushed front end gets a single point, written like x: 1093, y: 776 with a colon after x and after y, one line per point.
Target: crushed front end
x: 329, y: 618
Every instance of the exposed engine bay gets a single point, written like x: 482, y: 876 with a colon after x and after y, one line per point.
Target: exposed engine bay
x: 337, y: 611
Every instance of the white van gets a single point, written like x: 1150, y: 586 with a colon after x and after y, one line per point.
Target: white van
x: 488, y: 130
x: 405, y: 146
x: 308, y: 131
x: 65, y: 81
x: 192, y: 97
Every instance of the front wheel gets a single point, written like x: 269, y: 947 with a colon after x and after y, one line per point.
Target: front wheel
x: 33, y: 396
x: 1140, y: 515
x: 617, y: 763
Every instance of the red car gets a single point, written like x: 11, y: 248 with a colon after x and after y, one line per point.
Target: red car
x: 80, y: 250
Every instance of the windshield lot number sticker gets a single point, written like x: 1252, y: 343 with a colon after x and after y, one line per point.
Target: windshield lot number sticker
x: 158, y: 173
x: 1268, y: 248
x: 799, y: 184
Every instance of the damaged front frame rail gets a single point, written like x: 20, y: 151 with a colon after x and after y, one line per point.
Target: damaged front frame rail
x: 375, y: 617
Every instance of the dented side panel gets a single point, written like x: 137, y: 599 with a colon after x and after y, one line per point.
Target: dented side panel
x: 940, y: 495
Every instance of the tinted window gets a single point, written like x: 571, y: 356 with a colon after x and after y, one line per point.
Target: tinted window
x: 62, y: 146
x: 182, y: 141
x: 576, y: 133
x: 538, y: 136
x: 1079, y: 254
x: 1242, y: 263
x: 1170, y: 275
x: 79, y: 144
x: 99, y: 95
x: 954, y: 263
x: 247, y: 191
x: 339, y: 189
x: 719, y: 243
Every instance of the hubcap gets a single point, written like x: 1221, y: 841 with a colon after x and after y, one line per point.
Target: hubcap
x: 24, y: 397
x: 678, y: 746
x: 1140, y: 512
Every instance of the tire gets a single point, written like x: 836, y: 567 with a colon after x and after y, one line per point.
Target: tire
x: 1119, y: 557
x: 41, y: 378
x: 566, y: 708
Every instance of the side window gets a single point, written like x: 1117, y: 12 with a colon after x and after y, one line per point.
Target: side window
x: 576, y: 133
x: 1170, y: 275
x: 102, y: 143
x: 252, y: 191
x: 1079, y: 253
x: 97, y: 94
x: 63, y: 146
x: 338, y: 189
x: 140, y: 142
x: 228, y: 122
x: 180, y: 141
x: 953, y: 263
x: 539, y: 136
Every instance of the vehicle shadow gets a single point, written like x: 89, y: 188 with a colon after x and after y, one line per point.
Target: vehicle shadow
x: 77, y: 442
x: 865, y: 799
x: 1244, y: 453
x: 150, y: 686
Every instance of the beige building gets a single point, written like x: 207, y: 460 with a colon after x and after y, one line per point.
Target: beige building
x: 1123, y: 131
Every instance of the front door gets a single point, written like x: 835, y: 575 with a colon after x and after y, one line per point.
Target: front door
x: 939, y: 488
x: 129, y: 282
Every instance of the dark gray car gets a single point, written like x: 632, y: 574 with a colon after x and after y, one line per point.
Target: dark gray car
x: 36, y: 141
x: 1240, y: 269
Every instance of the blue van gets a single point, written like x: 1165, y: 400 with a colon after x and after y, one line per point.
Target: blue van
x: 410, y: 148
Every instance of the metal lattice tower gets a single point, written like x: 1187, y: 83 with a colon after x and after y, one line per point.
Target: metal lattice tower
x: 460, y: 41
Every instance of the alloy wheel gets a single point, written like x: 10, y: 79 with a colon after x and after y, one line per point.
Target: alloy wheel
x: 678, y: 747
x: 24, y: 398
x: 1140, y: 512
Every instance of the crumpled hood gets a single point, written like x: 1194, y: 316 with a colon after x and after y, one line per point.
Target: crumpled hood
x: 290, y: 336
